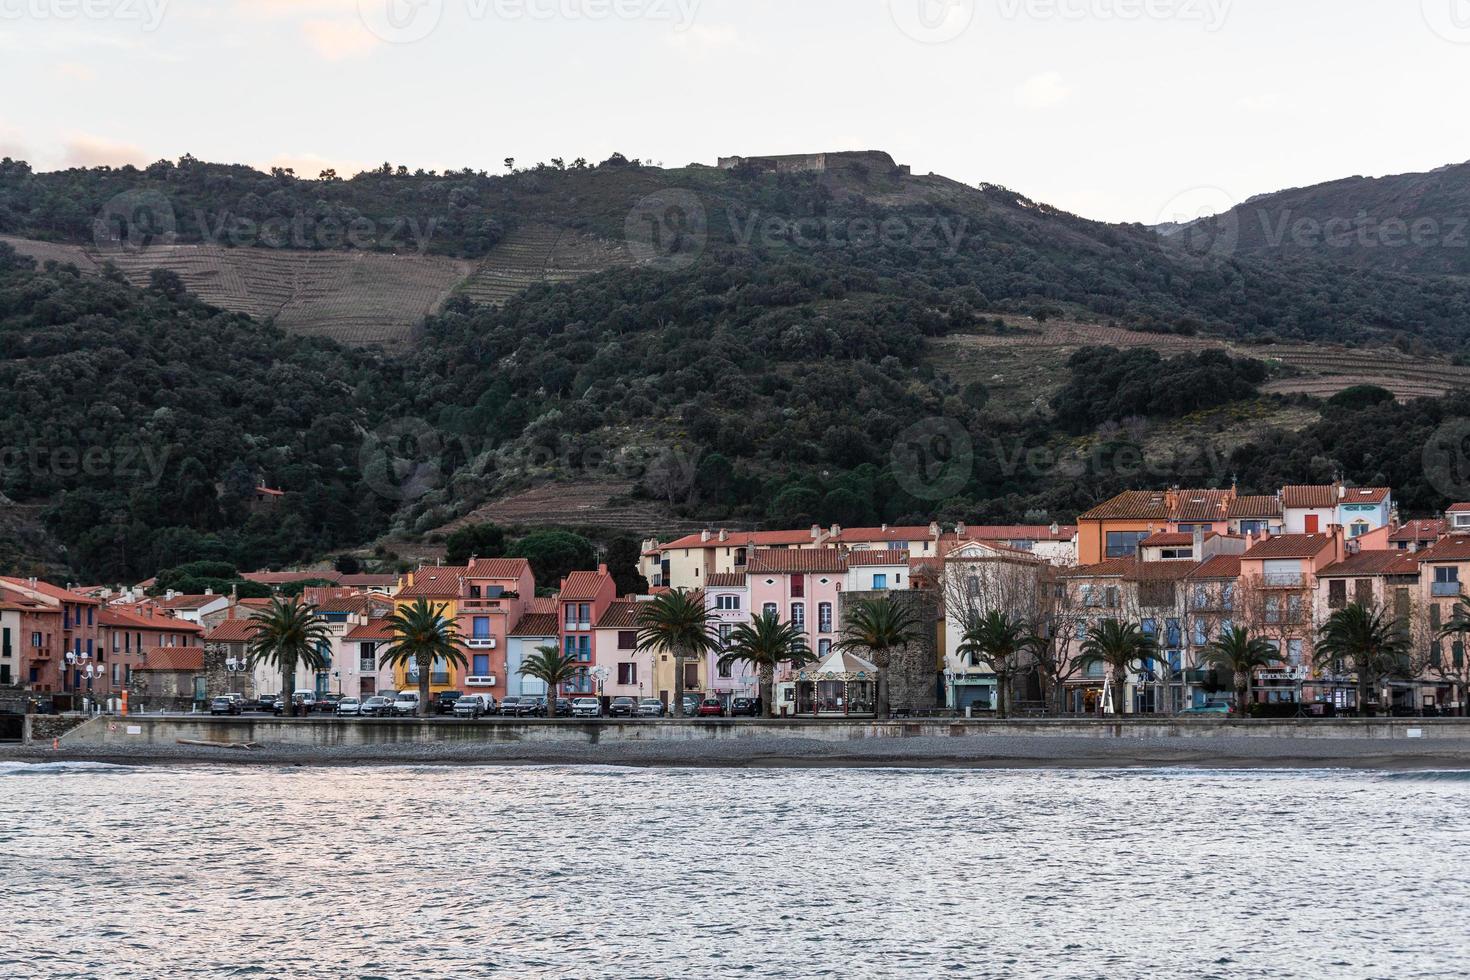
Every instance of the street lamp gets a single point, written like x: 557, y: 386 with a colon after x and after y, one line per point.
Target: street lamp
x: 599, y: 674
x: 235, y: 665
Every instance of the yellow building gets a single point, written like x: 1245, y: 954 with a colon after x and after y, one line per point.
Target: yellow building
x: 442, y: 586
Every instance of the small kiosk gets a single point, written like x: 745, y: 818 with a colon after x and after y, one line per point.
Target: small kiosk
x: 843, y: 685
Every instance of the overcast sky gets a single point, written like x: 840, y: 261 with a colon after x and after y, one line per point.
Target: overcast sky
x: 1125, y: 110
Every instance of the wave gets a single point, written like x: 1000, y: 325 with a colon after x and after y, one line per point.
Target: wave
x: 50, y: 768
x: 1430, y: 776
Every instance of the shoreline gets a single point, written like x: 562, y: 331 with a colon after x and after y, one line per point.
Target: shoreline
x: 997, y: 752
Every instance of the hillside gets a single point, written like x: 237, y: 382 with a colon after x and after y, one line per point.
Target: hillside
x: 1417, y: 224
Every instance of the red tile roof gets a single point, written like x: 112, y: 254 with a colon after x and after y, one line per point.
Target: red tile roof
x: 505, y: 568
x: 188, y: 602
x: 805, y: 560
x: 1290, y: 546
x: 583, y: 586
x: 1021, y: 532
x: 1373, y: 563
x: 1218, y: 566
x: 1164, y: 539
x: 725, y: 580
x: 1456, y: 547
x: 115, y: 616
x: 537, y: 624
x: 172, y: 658
x: 541, y: 604
x: 1328, y: 496
x: 434, y: 582
x: 369, y: 580
x: 232, y: 631
x: 878, y: 556
x: 1421, y: 530
x: 739, y: 539
x: 52, y: 591
x: 377, y: 629
x: 1254, y: 507
x: 620, y: 615
x: 1458, y: 509
x: 290, y: 578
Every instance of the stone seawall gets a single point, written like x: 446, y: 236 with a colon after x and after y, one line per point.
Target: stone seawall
x: 329, y: 732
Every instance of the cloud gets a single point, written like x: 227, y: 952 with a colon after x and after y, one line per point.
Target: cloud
x: 336, y: 39
x: 87, y: 150
x: 1043, y: 91
x: 72, y: 71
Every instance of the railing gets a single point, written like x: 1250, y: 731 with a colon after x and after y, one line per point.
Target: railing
x: 39, y: 653
x: 1284, y: 580
x: 1444, y: 590
x: 484, y: 603
x: 367, y: 666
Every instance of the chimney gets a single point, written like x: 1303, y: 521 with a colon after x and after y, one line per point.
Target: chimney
x: 1199, y: 544
x: 170, y: 595
x: 1341, y: 492
x: 885, y: 528
x: 934, y: 529
x: 1055, y: 528
x: 602, y: 569
x: 816, y: 532
x: 959, y: 529
x: 724, y: 535
x: 836, y: 530
x: 209, y: 591
x: 704, y: 536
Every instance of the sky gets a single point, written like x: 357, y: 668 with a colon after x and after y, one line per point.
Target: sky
x: 1120, y: 110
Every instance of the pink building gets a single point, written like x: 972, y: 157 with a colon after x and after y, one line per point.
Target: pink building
x: 800, y: 587
x: 495, y: 592
x: 583, y: 600
x: 727, y: 599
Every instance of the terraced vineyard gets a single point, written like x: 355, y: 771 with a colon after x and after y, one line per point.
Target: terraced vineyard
x: 540, y: 253
x: 582, y: 504
x: 1328, y: 370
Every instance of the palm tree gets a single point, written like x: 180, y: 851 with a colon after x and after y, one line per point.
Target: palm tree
x: 1367, y: 642
x: 553, y: 668
x: 1118, y: 646
x: 1457, y: 670
x: 1242, y: 655
x: 998, y: 640
x: 287, y: 633
x: 765, y: 644
x: 877, y: 626
x: 423, y: 636
x: 676, y: 623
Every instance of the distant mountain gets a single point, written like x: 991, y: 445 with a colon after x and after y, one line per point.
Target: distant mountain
x: 1409, y: 223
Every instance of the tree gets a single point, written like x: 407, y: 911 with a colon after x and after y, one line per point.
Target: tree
x: 676, y: 623
x: 1242, y: 655
x: 1001, y: 641
x: 423, y: 636
x: 623, y: 554
x: 1456, y: 669
x: 877, y: 626
x: 553, y: 668
x: 554, y: 554
x: 474, y: 541
x: 1121, y: 647
x: 288, y: 633
x: 346, y: 564
x: 1362, y: 639
x: 765, y: 644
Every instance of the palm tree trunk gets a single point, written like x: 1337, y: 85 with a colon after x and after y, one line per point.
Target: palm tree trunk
x: 1120, y: 693
x: 677, y: 710
x: 424, y: 687
x: 1000, y: 695
x: 768, y: 690
x: 551, y: 695
x: 880, y: 659
x: 1243, y: 696
x: 288, y: 690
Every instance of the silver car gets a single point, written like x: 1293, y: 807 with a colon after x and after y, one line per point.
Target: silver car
x: 473, y: 706
x: 349, y: 707
x: 650, y: 708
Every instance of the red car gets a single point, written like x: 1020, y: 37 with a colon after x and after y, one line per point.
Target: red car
x: 711, y: 708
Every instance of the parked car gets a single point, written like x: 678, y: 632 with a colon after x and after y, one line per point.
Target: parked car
x: 564, y: 707
x: 711, y: 708
x: 473, y: 706
x: 510, y: 707
x: 327, y: 703
x: 225, y: 706
x: 622, y: 708
x: 650, y: 708
x: 265, y: 702
x: 376, y: 706
x: 744, y: 707
x: 691, y: 705
x: 586, y: 708
x: 406, y: 703
x: 531, y: 706
x: 304, y: 701
x: 348, y: 708
x: 444, y: 702
x: 1215, y: 708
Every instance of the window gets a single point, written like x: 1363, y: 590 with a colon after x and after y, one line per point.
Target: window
x: 1337, y: 594
x: 726, y: 670
x: 627, y: 639
x: 1201, y: 632
x: 584, y: 648
x: 824, y: 647
x: 1156, y: 595
x: 824, y: 617
x: 728, y: 603
x: 36, y: 641
x: 481, y: 667
x: 1124, y: 544
x: 5, y: 644
x: 482, y: 628
x: 726, y: 630
x: 798, y: 614
x: 798, y: 586
x: 770, y: 609
x: 367, y: 658
x: 1273, y: 609
x: 880, y: 582
x: 1294, y: 652
x: 691, y: 677
x: 628, y: 674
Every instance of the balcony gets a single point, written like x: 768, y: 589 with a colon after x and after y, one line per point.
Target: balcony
x: 495, y: 603
x: 481, y: 643
x: 367, y: 666
x: 1447, y: 590
x: 39, y: 653
x: 1284, y: 580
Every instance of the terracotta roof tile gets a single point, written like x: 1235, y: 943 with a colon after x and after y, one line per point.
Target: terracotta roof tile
x: 1458, y: 509
x: 116, y: 616
x: 738, y: 539
x: 620, y: 615
x: 1254, y: 507
x: 52, y: 591
x: 1373, y: 563
x: 377, y: 629
x: 1218, y: 566
x: 880, y: 556
x: 434, y: 582
x: 172, y: 658
x: 725, y: 580
x: 537, y: 624
x: 583, y: 586
x: 506, y: 568
x: 232, y: 631
x: 1421, y: 530
x: 1290, y: 546
x: 788, y: 562
x: 1164, y: 539
x: 1456, y: 547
